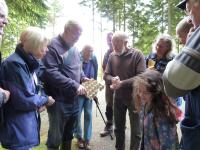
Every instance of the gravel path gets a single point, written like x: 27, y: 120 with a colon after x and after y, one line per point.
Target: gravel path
x: 97, y: 142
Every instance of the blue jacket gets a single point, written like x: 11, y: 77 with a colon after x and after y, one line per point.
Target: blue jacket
x: 21, y: 127
x: 90, y: 68
x: 161, y: 64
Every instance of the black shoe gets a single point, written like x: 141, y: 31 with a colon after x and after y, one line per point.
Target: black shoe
x: 107, y: 130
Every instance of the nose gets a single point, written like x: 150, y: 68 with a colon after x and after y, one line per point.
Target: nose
x: 5, y: 21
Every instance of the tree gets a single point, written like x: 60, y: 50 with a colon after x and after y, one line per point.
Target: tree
x: 144, y: 19
x: 53, y: 13
x: 22, y: 13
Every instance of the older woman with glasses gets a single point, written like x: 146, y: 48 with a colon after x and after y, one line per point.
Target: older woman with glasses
x: 22, y: 121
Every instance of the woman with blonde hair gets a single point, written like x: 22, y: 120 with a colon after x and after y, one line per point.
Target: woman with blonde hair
x: 22, y: 121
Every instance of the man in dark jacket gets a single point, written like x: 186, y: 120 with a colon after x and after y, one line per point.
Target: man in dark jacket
x: 108, y: 92
x: 123, y: 64
x: 62, y: 77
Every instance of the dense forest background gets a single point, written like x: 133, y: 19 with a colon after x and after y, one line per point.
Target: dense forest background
x: 143, y: 20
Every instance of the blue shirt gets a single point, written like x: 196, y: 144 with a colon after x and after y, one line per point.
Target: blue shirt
x: 160, y: 64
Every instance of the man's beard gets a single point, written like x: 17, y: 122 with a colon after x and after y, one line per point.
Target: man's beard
x: 121, y: 52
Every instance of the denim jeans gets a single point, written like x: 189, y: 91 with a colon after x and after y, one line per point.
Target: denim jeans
x: 86, y: 105
x: 62, y: 118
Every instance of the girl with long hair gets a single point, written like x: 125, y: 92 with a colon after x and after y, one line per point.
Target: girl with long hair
x: 158, y: 113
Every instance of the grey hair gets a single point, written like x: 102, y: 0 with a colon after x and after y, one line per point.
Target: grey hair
x: 3, y: 3
x: 33, y: 38
x: 170, y: 41
x: 120, y: 35
x: 71, y: 24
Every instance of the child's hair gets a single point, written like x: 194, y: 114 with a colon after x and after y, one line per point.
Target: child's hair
x: 161, y: 104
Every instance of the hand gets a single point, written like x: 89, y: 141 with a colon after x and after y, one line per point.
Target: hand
x: 95, y: 98
x: 7, y: 94
x: 116, y: 83
x: 50, y: 101
x: 151, y: 68
x: 41, y: 109
x: 81, y: 90
x: 85, y: 79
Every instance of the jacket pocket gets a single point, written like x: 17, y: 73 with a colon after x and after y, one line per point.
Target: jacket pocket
x: 190, y: 134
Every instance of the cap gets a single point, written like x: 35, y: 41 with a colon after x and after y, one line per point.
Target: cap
x: 182, y: 5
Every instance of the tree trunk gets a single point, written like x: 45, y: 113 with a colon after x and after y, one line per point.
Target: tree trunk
x: 169, y: 17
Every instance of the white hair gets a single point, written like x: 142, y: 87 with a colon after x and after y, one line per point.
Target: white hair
x: 120, y: 35
x: 4, y: 5
x: 33, y: 38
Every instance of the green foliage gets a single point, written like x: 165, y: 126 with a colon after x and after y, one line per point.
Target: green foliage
x: 22, y: 13
x: 144, y: 19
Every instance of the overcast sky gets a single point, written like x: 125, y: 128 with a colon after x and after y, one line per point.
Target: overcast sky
x: 72, y: 10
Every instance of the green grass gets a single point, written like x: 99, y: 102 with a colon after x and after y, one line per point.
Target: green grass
x: 42, y: 146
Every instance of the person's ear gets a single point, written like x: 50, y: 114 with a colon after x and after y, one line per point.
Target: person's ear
x: 126, y: 44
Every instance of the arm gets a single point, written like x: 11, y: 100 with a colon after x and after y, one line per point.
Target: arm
x: 182, y: 74
x: 18, y: 81
x: 95, y: 63
x: 53, y: 74
x: 105, y: 59
x: 108, y: 72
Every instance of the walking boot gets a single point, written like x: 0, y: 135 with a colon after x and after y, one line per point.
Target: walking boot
x: 108, y: 129
x: 66, y: 145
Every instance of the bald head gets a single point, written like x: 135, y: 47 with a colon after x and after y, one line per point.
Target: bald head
x: 183, y: 28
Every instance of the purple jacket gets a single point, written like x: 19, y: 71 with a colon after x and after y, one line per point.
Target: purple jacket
x: 62, y: 74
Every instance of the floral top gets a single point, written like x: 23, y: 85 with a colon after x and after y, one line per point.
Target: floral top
x: 158, y: 133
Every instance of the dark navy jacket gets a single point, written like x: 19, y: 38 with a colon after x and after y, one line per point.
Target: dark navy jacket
x: 90, y: 68
x: 21, y: 128
x: 161, y: 64
x: 62, y: 73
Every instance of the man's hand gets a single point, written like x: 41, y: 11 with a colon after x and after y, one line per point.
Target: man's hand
x: 50, y: 101
x: 116, y: 83
x: 41, y: 109
x: 85, y: 79
x: 7, y: 95
x: 81, y: 90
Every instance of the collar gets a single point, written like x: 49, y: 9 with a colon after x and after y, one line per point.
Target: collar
x: 29, y: 59
x: 64, y: 44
